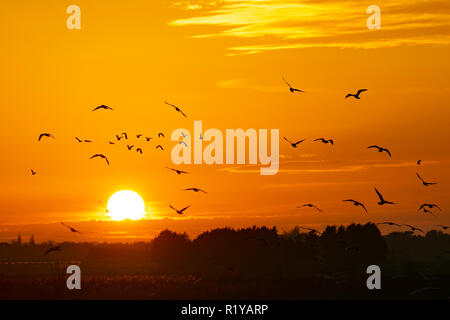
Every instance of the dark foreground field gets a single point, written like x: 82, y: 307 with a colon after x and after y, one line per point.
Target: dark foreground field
x: 253, y: 263
x: 191, y: 287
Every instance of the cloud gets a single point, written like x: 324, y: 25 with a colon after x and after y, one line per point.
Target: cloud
x: 321, y: 166
x: 286, y: 24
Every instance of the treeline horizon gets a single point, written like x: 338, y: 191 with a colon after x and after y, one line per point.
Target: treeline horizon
x: 352, y: 242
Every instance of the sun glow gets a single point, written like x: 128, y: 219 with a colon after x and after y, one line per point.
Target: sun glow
x: 126, y: 204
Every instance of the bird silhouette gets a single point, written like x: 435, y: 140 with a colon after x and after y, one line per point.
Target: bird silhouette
x: 429, y: 206
x: 426, y: 184
x: 100, y: 156
x: 425, y: 210
x: 443, y: 226
x: 55, y: 248
x: 130, y: 147
x: 309, y: 229
x: 310, y: 205
x: 382, y: 201
x: 47, y: 135
x: 138, y: 135
x: 148, y: 138
x: 184, y: 135
x: 177, y: 171
x: 355, y: 95
x: 176, y: 108
x: 33, y: 172
x: 291, y: 89
x: 413, y: 228
x: 79, y: 140
x: 110, y: 142
x: 182, y: 142
x: 161, y: 135
x: 70, y: 228
x: 159, y: 146
x: 102, y: 107
x: 390, y: 223
x: 195, y: 190
x: 325, y: 140
x: 380, y: 149
x: 139, y: 150
x: 125, y: 135
x: 104, y: 207
x: 118, y: 137
x: 294, y: 145
x: 356, y: 203
x: 179, y: 211
x: 88, y: 141
x: 419, y: 162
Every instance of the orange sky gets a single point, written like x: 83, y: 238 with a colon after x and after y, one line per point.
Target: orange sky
x: 223, y: 63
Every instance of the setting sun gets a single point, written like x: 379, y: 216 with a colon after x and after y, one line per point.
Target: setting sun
x: 126, y: 204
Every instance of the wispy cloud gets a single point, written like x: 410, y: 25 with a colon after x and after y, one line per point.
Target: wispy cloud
x: 284, y: 24
x: 313, y: 166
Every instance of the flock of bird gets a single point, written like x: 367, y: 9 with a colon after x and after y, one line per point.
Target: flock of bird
x: 426, y: 207
x: 118, y: 137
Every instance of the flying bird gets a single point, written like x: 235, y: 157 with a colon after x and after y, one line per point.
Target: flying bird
x: 130, y: 147
x: 195, y: 190
x: 102, y: 107
x: 356, y: 203
x: 291, y: 89
x: 429, y: 206
x: 325, y: 140
x: 443, y: 226
x: 310, y: 205
x: 148, y: 138
x: 426, y: 184
x: 56, y: 248
x: 104, y: 207
x: 390, y: 223
x: 179, y: 211
x: 70, y: 228
x: 110, y: 142
x: 33, y: 172
x: 47, y: 135
x: 139, y: 150
x: 176, y: 108
x: 182, y: 142
x: 380, y: 149
x: 309, y: 229
x: 161, y: 135
x: 177, y: 171
x: 355, y: 95
x: 79, y: 140
x: 100, y: 156
x: 88, y: 141
x: 138, y: 135
x: 118, y: 137
x: 159, y: 146
x: 413, y: 228
x: 425, y: 210
x: 419, y: 162
x: 294, y: 145
x: 184, y: 135
x: 125, y: 135
x: 382, y: 201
